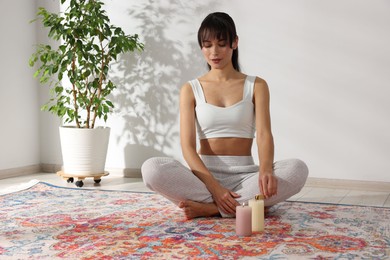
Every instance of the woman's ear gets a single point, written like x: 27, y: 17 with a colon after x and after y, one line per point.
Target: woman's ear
x: 235, y: 43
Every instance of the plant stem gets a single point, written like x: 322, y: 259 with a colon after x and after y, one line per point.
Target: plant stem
x: 74, y: 94
x: 99, y: 84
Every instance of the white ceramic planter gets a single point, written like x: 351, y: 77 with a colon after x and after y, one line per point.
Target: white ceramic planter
x: 84, y: 150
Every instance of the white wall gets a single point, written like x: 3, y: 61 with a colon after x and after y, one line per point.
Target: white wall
x: 327, y: 64
x: 50, y: 152
x: 19, y: 113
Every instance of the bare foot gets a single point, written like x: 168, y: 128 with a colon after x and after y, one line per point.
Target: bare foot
x: 193, y: 209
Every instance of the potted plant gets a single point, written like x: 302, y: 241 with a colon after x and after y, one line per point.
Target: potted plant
x: 77, y: 72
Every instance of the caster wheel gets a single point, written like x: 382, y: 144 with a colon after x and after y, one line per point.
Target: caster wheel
x: 70, y: 180
x: 79, y: 183
x: 98, y: 181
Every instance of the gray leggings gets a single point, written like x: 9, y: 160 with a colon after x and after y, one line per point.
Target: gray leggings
x: 177, y: 183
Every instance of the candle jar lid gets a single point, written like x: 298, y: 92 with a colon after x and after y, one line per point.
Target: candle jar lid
x: 259, y: 197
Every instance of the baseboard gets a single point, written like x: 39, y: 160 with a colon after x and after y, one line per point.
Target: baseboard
x: 20, y: 171
x: 348, y: 184
x: 132, y: 173
x: 126, y: 172
x: 50, y: 168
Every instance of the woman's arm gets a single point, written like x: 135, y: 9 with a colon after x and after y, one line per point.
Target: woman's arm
x: 222, y: 196
x: 264, y: 139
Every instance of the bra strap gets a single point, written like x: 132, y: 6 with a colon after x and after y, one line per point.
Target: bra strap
x: 198, y: 91
x: 249, y: 86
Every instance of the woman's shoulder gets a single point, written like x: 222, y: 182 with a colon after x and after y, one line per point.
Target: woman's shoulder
x: 186, y: 89
x: 260, y: 82
x: 260, y: 87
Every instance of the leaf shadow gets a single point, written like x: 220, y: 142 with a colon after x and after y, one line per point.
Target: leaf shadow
x: 147, y: 97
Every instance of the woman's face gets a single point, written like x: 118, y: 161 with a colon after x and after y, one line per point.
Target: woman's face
x: 217, y: 52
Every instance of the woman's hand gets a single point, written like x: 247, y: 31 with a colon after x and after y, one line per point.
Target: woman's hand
x: 268, y: 184
x: 225, y: 199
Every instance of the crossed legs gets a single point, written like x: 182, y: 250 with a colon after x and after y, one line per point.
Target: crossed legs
x: 177, y: 183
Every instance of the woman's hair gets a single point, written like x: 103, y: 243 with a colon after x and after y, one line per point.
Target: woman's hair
x: 221, y: 26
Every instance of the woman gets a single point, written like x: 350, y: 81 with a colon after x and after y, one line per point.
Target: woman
x: 227, y: 108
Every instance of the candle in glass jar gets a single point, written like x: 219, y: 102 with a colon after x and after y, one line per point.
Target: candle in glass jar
x: 257, y: 205
x: 243, y: 220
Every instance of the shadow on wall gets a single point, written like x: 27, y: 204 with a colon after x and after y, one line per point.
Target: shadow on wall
x: 148, y: 96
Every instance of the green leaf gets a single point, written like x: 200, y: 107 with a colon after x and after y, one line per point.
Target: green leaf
x: 117, y: 31
x: 62, y: 48
x: 31, y: 61
x: 59, y: 89
x: 44, y: 107
x: 36, y: 73
x: 109, y: 103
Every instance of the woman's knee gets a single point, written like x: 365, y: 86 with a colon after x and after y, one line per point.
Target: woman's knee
x: 300, y: 171
x: 294, y: 171
x: 300, y: 168
x: 153, y: 168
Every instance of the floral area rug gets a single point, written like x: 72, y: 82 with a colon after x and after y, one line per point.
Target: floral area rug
x: 49, y: 222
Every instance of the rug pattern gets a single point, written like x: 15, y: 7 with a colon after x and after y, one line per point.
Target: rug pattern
x: 49, y: 222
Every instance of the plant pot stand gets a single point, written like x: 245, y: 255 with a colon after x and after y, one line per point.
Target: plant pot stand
x: 79, y: 183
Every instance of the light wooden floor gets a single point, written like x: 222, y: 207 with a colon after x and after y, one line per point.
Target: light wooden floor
x: 310, y: 193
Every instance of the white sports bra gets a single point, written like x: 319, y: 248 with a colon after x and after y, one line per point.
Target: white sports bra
x: 237, y: 120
